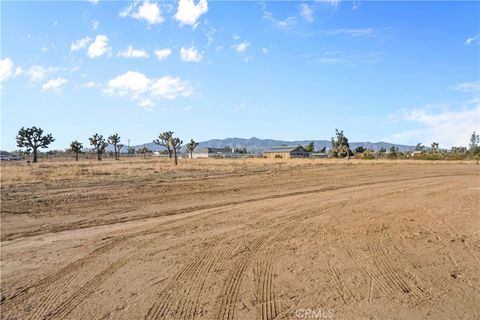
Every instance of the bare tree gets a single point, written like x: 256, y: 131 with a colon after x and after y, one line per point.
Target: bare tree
x: 32, y: 139
x: 175, y: 144
x: 191, y: 146
x: 76, y: 147
x: 99, y: 144
x: 114, y: 140
x: 164, y: 141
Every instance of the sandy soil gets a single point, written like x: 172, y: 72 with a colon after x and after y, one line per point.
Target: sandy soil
x: 245, y: 239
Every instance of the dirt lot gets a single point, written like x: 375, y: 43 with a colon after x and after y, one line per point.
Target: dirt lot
x: 240, y: 239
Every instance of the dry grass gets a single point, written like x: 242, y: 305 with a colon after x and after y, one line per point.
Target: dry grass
x: 154, y: 169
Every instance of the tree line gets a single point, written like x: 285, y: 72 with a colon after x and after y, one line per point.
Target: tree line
x: 340, y: 148
x: 33, y: 139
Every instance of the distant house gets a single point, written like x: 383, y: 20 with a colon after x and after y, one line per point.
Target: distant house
x: 416, y: 154
x: 212, y: 153
x: 287, y: 152
x: 320, y: 155
x: 7, y: 156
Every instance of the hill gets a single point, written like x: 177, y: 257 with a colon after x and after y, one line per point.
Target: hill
x: 257, y: 145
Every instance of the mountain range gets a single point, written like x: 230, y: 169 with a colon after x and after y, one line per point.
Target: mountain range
x: 256, y: 145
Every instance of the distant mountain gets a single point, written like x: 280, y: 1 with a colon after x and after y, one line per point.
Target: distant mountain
x: 257, y: 145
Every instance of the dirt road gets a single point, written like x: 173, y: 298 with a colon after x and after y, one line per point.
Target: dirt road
x: 260, y: 240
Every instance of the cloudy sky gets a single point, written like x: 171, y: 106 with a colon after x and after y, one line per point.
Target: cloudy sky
x: 402, y: 72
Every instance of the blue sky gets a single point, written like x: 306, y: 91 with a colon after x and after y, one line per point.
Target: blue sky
x: 403, y: 72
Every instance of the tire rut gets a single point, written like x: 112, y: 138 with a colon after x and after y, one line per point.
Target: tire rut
x: 266, y: 300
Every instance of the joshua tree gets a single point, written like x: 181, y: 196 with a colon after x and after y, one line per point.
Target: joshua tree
x: 360, y: 149
x: 32, y: 139
x: 419, y: 147
x: 175, y: 144
x: 164, y: 141
x: 114, y: 139
x: 131, y: 150
x: 119, y: 147
x: 76, y: 147
x: 144, y: 150
x: 99, y: 144
x: 191, y: 146
x: 435, y: 147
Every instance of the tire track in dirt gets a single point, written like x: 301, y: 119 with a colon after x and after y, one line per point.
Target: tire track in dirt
x: 229, y: 295
x: 340, y: 286
x: 95, y: 222
x: 64, y: 276
x: 442, y: 221
x: 189, y: 305
x: 57, y: 280
x: 393, y: 278
x: 413, y: 259
x: 193, y: 311
x: 371, y: 273
x: 194, y: 275
x: 266, y: 300
x: 53, y: 295
x: 68, y: 305
x: 267, y: 255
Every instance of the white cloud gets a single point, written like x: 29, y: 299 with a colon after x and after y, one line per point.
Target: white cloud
x: 147, y: 11
x: 147, y: 104
x: 93, y: 1
x: 6, y: 69
x: 210, y: 36
x: 169, y: 88
x: 473, y: 40
x: 356, y: 33
x: 307, y: 12
x: 241, y: 106
x: 190, y: 54
x: 18, y: 71
x: 138, y: 87
x: 37, y: 73
x: 242, y: 47
x: 99, y: 47
x: 472, y: 87
x: 79, y: 44
x: 129, y: 82
x: 332, y: 3
x: 130, y: 52
x: 89, y: 84
x: 54, y: 84
x: 449, y: 128
x: 188, y: 12
x: 277, y: 23
x: 346, y: 58
x: 163, y: 53
x: 95, y: 24
x: 264, y: 50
